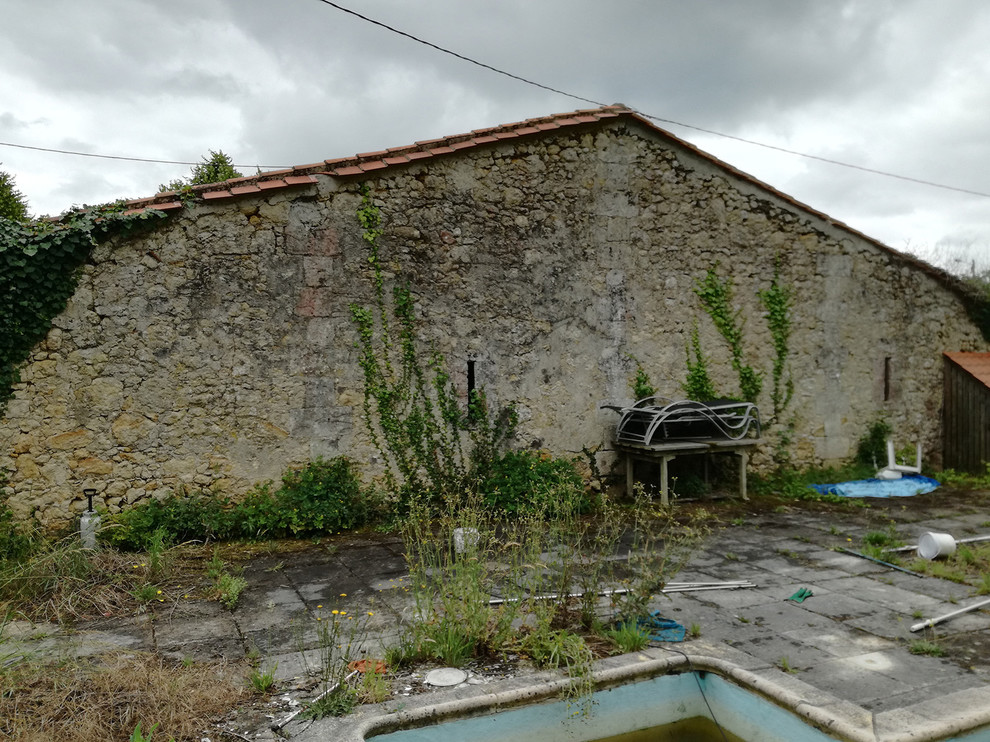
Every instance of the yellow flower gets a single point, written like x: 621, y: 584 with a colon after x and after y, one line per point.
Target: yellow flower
x: 343, y: 595
x: 159, y: 592
x: 319, y: 606
x: 335, y: 612
x: 371, y: 613
x: 343, y: 613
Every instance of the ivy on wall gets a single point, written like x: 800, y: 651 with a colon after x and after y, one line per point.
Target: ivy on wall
x: 411, y: 408
x: 716, y: 297
x: 778, y: 300
x: 698, y: 384
x: 39, y: 270
x: 641, y: 385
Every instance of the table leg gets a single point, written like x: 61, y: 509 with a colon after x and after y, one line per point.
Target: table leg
x: 664, y: 492
x: 743, y: 463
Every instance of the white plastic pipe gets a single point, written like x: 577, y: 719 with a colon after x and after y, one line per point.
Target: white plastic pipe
x: 947, y: 616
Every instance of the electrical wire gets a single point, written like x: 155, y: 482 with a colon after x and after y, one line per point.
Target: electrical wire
x: 527, y: 81
x: 460, y: 56
x: 697, y: 679
x: 652, y: 117
x: 129, y: 159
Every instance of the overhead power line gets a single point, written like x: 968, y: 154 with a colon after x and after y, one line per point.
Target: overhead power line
x: 652, y: 117
x: 129, y: 159
x: 527, y: 81
x: 458, y: 56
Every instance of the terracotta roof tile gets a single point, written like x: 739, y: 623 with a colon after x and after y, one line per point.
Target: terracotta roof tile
x: 210, y: 195
x: 396, y: 160
x: 527, y: 130
x: 294, y: 180
x: 505, y: 135
x: 167, y: 206
x: 371, y: 155
x: 977, y: 364
x: 440, y: 150
x: 267, y: 185
x: 243, y: 190
x: 349, y: 170
x: 484, y: 139
x: 419, y: 155
x: 463, y: 144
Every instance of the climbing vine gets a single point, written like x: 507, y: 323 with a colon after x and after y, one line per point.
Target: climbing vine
x: 641, y: 385
x: 716, y: 297
x: 698, y: 384
x: 39, y: 270
x: 778, y: 300
x: 411, y: 408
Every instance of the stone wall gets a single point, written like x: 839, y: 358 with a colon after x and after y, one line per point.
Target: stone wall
x: 219, y: 350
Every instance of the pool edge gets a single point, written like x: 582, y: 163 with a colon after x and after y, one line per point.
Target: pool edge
x: 837, y: 717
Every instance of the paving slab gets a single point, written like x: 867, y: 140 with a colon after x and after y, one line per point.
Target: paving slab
x: 850, y: 679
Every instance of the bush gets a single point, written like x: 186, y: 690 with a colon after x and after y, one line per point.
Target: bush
x: 872, y: 448
x: 323, y: 496
x: 526, y: 481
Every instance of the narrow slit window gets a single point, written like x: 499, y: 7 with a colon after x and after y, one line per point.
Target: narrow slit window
x: 470, y: 380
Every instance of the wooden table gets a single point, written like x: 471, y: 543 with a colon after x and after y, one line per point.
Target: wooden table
x: 671, y: 449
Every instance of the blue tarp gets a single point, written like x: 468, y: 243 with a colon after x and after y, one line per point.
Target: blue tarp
x: 906, y: 486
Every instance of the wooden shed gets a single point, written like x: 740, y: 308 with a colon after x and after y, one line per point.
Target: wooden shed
x: 966, y: 412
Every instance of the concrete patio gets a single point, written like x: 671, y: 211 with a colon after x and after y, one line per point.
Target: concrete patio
x: 846, y: 646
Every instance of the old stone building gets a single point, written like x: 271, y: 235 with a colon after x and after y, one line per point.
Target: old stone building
x: 544, y: 255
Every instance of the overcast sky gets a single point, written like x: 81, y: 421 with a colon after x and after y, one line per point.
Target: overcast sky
x: 895, y: 85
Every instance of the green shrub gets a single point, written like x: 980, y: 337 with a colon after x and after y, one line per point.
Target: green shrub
x: 526, y: 481
x: 326, y: 494
x: 174, y: 519
x: 872, y: 448
x: 321, y: 497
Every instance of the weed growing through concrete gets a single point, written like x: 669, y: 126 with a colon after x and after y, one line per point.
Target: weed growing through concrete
x: 628, y: 637
x: 786, y: 666
x: 263, y: 681
x: 926, y: 647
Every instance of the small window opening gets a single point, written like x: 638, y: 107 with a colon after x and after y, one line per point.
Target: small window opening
x: 470, y: 380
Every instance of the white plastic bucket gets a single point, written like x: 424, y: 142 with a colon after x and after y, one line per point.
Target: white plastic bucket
x: 932, y: 545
